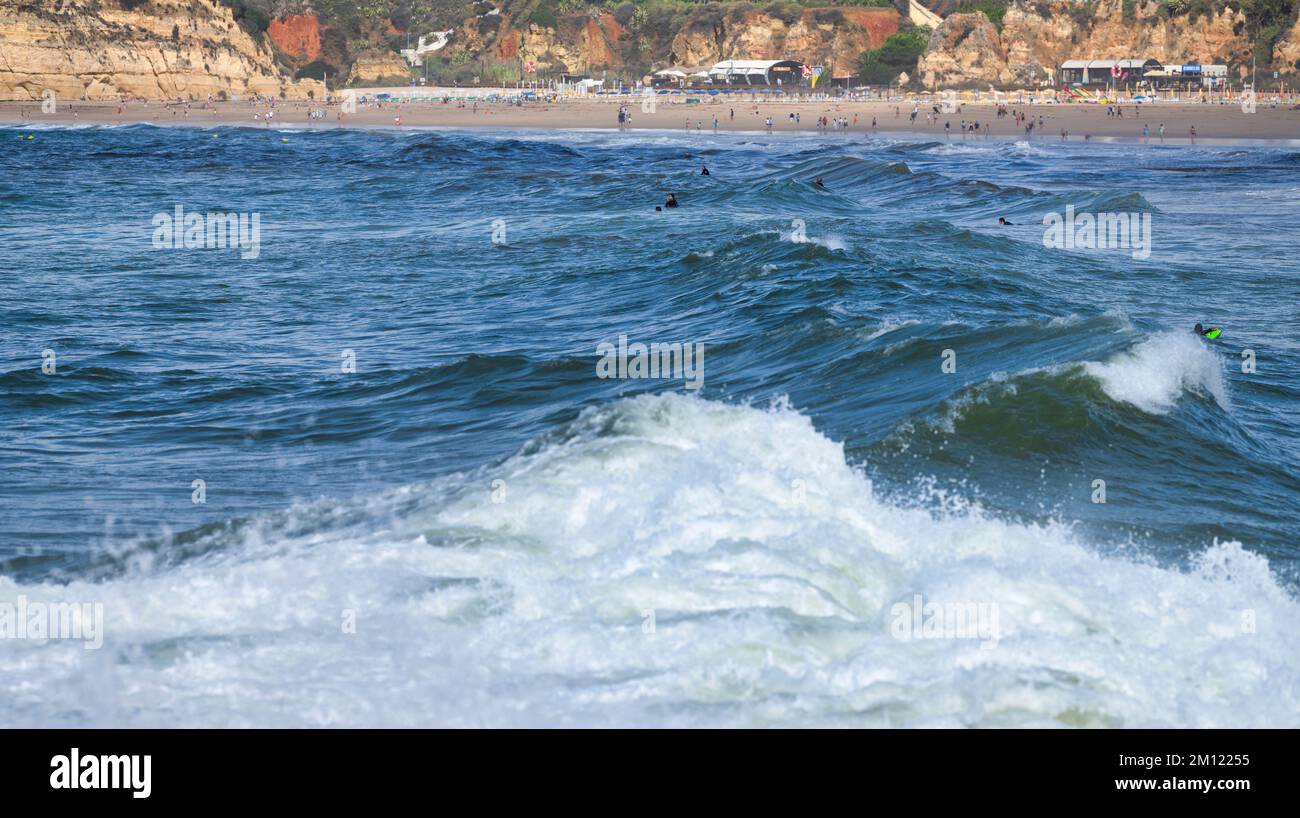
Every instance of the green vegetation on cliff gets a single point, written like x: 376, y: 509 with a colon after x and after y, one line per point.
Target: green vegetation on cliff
x: 881, y: 66
x: 647, y: 28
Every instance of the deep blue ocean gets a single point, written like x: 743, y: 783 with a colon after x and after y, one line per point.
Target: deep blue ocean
x: 372, y: 476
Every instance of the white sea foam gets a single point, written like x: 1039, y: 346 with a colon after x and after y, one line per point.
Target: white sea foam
x: 1155, y: 373
x: 766, y: 564
x: 887, y: 326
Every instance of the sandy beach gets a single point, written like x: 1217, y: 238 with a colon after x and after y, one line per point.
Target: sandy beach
x: 1219, y: 122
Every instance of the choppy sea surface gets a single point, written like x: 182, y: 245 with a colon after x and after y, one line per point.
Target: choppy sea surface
x: 897, y: 397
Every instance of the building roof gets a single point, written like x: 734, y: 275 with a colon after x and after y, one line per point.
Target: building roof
x: 746, y: 65
x: 1108, y: 64
x: 750, y: 68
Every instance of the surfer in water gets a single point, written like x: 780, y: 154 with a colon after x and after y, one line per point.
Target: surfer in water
x: 819, y: 183
x: 1208, y: 332
x: 1002, y: 220
x: 671, y: 201
x: 704, y: 170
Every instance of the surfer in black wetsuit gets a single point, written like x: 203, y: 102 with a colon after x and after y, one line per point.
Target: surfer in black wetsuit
x: 819, y: 183
x: 671, y: 201
x: 1208, y: 332
x: 1002, y: 220
x: 704, y: 170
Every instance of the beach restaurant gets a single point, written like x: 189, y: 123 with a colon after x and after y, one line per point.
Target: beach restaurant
x: 756, y: 72
x: 1103, y: 72
x: 679, y: 78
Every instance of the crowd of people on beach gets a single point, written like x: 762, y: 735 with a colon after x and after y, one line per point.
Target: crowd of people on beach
x: 269, y: 110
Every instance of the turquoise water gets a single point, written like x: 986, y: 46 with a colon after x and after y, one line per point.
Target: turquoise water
x: 396, y: 412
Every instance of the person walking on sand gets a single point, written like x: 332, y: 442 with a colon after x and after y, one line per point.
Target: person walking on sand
x: 1162, y: 132
x: 1146, y: 134
x: 1193, y: 134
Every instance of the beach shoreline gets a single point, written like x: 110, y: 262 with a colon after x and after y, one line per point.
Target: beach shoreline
x: 1214, y: 123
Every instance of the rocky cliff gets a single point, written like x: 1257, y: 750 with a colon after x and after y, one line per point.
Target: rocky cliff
x: 192, y: 48
x: 834, y: 37
x: 156, y: 49
x: 1286, y: 53
x: 596, y: 41
x: 1036, y: 37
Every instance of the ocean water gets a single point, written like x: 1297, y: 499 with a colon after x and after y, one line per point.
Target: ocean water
x: 420, y: 504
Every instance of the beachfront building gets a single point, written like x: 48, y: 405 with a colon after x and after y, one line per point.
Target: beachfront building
x: 1214, y: 76
x: 680, y: 78
x: 756, y: 72
x: 670, y: 78
x: 1188, y: 77
x: 1105, y: 72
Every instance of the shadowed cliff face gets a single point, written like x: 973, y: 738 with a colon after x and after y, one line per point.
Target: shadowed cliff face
x: 162, y: 49
x: 967, y: 49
